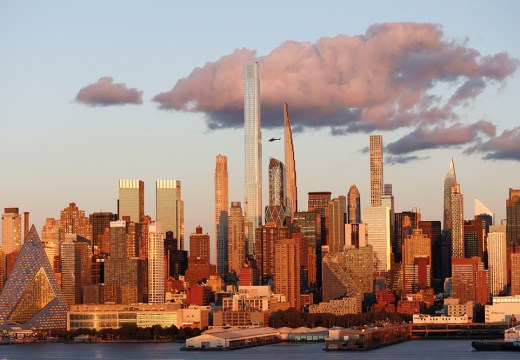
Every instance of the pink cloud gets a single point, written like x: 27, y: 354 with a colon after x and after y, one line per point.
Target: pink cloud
x: 382, y: 80
x: 503, y: 147
x: 105, y: 93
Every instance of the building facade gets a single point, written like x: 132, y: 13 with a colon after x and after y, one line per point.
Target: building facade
x: 221, y: 212
x: 292, y: 189
x: 131, y: 200
x: 376, y: 169
x: 170, y: 209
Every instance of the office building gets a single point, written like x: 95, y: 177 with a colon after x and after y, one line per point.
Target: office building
x: 131, y: 200
x: 457, y: 222
x: 354, y: 205
x: 170, y: 208
x: 376, y: 169
x: 277, y: 184
x: 76, y: 260
x: 449, y: 181
x: 309, y: 225
x: 99, y: 222
x: 432, y: 229
x: 236, y: 238
x: 221, y: 213
x: 469, y: 280
x: 156, y: 268
x: 319, y: 203
x: 378, y: 222
x: 31, y: 296
x: 200, y: 245
x: 292, y: 189
x: 474, y: 233
x: 496, y: 249
x: 176, y: 260
x: 253, y: 154
x: 11, y: 230
x: 337, y: 219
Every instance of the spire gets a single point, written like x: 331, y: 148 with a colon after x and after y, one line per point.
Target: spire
x: 292, y: 190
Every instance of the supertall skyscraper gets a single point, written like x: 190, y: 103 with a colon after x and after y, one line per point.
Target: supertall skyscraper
x: 131, y: 200
x: 253, y: 154
x: 292, y: 189
x: 376, y: 169
x: 221, y: 213
x: 449, y: 181
x: 170, y: 209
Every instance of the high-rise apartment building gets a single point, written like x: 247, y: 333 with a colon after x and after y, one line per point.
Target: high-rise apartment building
x: 266, y: 238
x: 287, y: 269
x: 31, y: 296
x: 170, y: 208
x: 376, y: 169
x: 99, y: 222
x: 309, y: 224
x: 131, y: 200
x: 253, y: 154
x: 496, y: 249
x: 469, y: 280
x: 76, y: 260
x: 276, y: 182
x: 74, y: 221
x: 354, y: 205
x: 457, y: 222
x: 236, y: 238
x: 337, y: 215
x: 377, y: 219
x: 11, y: 230
x: 221, y: 213
x: 292, y: 189
x: 200, y: 245
x: 319, y: 202
x: 449, y: 181
x: 156, y: 266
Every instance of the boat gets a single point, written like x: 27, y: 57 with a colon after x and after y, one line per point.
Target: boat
x: 511, y: 342
x: 496, y: 345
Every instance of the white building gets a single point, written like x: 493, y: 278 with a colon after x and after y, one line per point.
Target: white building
x: 378, y: 222
x: 503, y: 309
x: 496, y: 247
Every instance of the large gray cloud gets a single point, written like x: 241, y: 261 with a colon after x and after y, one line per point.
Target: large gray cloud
x: 105, y: 93
x: 506, y: 146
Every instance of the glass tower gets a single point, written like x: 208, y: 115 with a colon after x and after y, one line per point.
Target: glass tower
x: 449, y: 181
x: 253, y: 154
x: 170, y: 209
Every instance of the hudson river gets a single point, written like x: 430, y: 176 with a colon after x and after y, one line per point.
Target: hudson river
x: 417, y: 350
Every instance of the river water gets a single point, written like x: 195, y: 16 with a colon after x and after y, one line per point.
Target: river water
x: 416, y: 349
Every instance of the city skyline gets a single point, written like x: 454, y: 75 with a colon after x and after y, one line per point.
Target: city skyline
x: 108, y: 143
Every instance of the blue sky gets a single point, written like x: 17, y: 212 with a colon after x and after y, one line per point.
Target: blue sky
x: 57, y: 150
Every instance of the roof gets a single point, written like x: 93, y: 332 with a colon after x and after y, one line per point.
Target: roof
x: 236, y: 334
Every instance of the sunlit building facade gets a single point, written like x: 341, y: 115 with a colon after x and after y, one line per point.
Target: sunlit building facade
x: 376, y: 169
x: 253, y: 154
x: 11, y: 230
x: 292, y: 189
x: 354, y: 205
x: 170, y: 208
x: 221, y: 213
x: 156, y: 266
x: 236, y: 238
x: 131, y: 200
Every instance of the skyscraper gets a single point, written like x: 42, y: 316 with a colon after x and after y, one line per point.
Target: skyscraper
x: 199, y: 245
x: 512, y: 231
x: 74, y: 221
x: 449, y: 181
x: 377, y: 219
x: 287, y: 269
x: 221, y: 213
x: 481, y: 209
x: 376, y: 169
x: 292, y: 189
x: 131, y: 200
x: 354, y: 205
x: 337, y: 213
x: 76, y: 259
x: 457, y: 222
x: 236, y: 238
x: 156, y: 266
x: 496, y: 248
x: 170, y: 209
x: 276, y: 183
x: 99, y: 222
x: 11, y: 230
x: 253, y: 154
x: 31, y: 296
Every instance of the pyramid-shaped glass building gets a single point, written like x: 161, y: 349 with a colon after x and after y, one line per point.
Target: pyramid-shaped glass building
x: 31, y: 297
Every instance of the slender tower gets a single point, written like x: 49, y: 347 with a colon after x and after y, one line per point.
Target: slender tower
x: 292, y: 190
x: 354, y: 205
x: 457, y: 222
x: 253, y: 154
x: 449, y: 181
x: 376, y: 169
x: 221, y: 213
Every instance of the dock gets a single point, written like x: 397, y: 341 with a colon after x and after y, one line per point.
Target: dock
x: 366, y: 338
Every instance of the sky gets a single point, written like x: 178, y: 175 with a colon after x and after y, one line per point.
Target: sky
x: 91, y: 92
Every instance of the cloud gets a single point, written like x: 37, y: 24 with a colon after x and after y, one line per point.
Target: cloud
x: 424, y: 137
x: 402, y: 159
x: 385, y: 79
x: 503, y: 147
x: 105, y: 93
